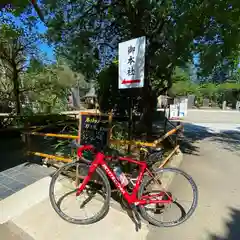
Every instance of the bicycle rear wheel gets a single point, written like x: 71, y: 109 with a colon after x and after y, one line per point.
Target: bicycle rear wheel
x: 95, y: 197
x: 168, y: 185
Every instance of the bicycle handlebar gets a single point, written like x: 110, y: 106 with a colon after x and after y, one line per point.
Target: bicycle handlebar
x: 85, y: 148
x: 93, y: 149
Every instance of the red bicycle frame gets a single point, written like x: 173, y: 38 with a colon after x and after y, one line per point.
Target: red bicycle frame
x: 130, y: 198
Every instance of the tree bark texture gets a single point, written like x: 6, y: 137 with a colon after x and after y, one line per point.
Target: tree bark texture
x: 16, y: 91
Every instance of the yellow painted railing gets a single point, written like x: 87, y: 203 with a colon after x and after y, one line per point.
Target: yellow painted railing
x: 55, y: 157
x: 156, y: 143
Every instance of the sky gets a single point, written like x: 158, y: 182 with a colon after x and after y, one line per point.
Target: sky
x: 40, y: 28
x: 45, y: 48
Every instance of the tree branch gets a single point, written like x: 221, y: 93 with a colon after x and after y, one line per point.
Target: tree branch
x: 37, y: 9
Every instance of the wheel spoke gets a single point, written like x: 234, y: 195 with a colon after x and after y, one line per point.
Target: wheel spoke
x: 168, y: 214
x: 90, y: 206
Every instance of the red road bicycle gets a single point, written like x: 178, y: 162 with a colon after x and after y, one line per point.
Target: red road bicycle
x: 91, y: 179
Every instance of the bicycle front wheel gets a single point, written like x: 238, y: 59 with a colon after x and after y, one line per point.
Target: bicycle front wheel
x: 87, y: 208
x: 168, y: 182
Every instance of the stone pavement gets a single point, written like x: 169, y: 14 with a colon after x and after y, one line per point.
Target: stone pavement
x: 212, y: 127
x: 18, y: 177
x: 212, y: 116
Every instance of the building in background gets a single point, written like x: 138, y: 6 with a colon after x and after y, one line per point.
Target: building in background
x: 83, y: 97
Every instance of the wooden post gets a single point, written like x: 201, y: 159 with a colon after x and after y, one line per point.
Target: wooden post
x: 130, y: 120
x: 110, y: 126
x: 26, y: 137
x: 79, y: 127
x: 165, y: 122
x: 79, y: 141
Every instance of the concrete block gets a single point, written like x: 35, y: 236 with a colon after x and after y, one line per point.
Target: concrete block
x: 24, y: 199
x: 41, y: 222
x: 9, y: 231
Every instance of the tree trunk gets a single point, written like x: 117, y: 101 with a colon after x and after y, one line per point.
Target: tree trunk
x: 149, y: 107
x: 16, y: 92
x: 150, y: 104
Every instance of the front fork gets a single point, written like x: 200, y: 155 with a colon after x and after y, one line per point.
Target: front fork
x: 92, y: 169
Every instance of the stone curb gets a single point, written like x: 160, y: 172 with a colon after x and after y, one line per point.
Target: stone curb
x: 175, y: 162
x: 24, y: 199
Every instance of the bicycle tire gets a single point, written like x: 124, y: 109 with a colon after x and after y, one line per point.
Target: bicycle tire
x: 101, y: 214
x: 153, y: 221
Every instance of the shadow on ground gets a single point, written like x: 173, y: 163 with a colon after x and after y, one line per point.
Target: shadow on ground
x: 11, y: 152
x: 194, y: 133
x: 233, y: 229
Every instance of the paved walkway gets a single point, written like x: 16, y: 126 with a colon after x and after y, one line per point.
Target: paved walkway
x: 215, y: 169
x: 213, y: 116
x: 18, y: 177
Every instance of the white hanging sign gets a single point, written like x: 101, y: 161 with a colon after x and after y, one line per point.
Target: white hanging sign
x: 131, y: 63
